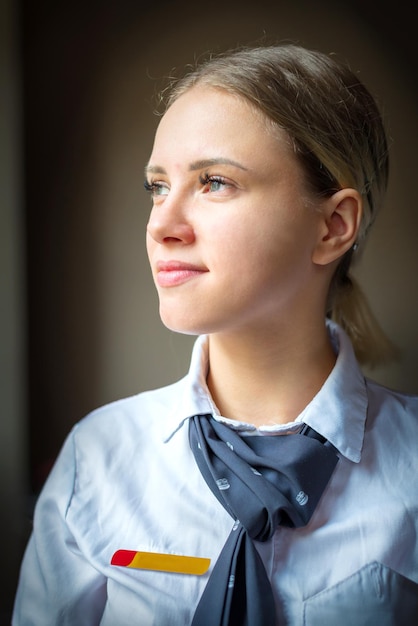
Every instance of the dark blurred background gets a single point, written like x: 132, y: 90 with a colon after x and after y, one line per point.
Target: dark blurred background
x: 79, y: 318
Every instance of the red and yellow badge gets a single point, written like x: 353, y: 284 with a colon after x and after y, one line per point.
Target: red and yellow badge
x: 158, y: 561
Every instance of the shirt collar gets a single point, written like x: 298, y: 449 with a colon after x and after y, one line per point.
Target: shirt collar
x: 338, y: 411
x: 193, y: 396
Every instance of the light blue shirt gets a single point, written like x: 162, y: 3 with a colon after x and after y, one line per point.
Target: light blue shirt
x: 126, y: 479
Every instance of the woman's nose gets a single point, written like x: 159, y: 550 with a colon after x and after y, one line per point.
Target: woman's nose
x: 168, y: 223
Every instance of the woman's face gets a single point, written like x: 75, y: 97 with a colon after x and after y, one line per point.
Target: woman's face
x: 231, y: 235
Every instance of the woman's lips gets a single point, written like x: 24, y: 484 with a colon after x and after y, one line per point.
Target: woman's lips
x: 174, y: 273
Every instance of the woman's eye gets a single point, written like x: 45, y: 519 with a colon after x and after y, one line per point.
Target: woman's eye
x: 213, y: 184
x: 156, y: 188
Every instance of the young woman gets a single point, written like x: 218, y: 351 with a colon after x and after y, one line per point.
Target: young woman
x: 274, y: 484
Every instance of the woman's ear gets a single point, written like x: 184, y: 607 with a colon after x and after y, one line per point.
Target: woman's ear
x: 339, y: 225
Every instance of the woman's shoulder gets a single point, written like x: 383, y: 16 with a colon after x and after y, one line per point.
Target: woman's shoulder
x: 397, y: 409
x: 391, y: 395
x: 145, y: 411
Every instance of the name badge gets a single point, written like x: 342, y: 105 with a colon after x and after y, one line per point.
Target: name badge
x: 158, y: 561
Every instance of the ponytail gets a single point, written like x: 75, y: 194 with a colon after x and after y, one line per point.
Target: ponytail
x: 351, y: 310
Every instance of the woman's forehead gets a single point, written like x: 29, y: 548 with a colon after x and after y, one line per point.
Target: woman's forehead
x: 212, y: 120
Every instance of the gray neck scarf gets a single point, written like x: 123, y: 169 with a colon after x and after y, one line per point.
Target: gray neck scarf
x: 263, y: 482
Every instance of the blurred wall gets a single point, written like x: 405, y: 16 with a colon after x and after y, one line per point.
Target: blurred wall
x: 90, y: 71
x: 13, y: 449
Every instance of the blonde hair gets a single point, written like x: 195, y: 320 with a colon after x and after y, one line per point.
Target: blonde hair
x: 338, y: 137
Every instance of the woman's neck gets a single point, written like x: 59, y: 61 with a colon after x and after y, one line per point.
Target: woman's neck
x: 268, y: 378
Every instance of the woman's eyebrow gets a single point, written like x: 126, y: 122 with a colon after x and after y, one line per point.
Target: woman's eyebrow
x: 200, y: 165
x: 154, y: 169
x: 197, y: 165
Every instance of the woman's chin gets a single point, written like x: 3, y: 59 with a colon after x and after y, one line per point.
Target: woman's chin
x: 181, y: 325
